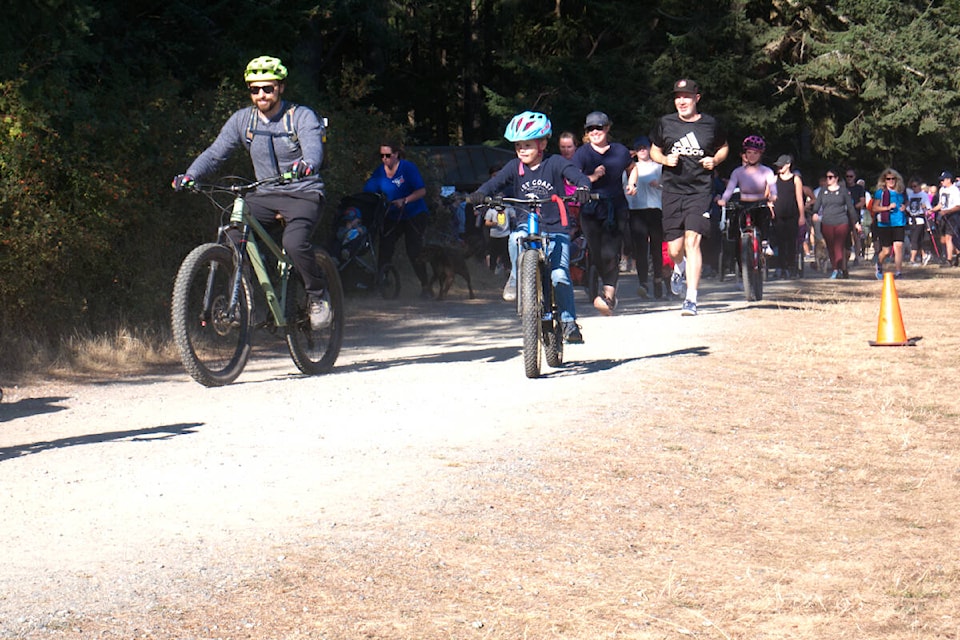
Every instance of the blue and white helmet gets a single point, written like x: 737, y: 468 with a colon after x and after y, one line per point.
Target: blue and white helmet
x: 529, y: 125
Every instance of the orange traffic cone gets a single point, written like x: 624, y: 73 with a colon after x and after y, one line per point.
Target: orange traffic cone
x: 890, y: 331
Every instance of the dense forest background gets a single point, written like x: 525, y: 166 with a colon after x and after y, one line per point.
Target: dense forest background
x: 103, y: 101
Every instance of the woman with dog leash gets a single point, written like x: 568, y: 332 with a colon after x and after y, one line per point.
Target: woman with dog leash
x: 399, y: 180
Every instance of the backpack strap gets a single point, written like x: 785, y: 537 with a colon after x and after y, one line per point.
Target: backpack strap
x: 289, y: 131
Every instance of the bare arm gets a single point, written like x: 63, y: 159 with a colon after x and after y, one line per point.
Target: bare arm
x: 798, y: 184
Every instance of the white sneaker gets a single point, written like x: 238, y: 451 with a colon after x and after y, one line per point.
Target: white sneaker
x: 321, y: 315
x: 510, y: 289
x: 926, y: 259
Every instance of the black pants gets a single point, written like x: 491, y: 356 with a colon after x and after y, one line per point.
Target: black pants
x: 646, y: 231
x: 300, y: 216
x: 785, y: 232
x: 412, y: 230
x: 604, y: 241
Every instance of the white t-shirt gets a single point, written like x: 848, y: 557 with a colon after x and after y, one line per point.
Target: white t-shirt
x: 649, y: 193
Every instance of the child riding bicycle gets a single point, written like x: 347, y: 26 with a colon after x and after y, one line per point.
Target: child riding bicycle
x: 533, y: 175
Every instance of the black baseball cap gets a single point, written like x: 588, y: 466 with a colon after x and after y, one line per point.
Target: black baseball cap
x: 783, y: 160
x: 946, y: 175
x: 596, y: 119
x: 685, y: 85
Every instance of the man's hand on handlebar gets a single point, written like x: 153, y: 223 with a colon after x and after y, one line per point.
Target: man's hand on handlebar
x: 183, y: 181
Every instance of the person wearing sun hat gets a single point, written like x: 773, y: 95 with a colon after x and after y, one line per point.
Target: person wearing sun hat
x: 690, y: 145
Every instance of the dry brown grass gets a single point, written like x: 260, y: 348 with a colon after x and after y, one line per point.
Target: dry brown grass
x: 795, y: 484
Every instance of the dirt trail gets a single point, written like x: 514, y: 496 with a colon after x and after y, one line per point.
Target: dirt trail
x: 122, y: 499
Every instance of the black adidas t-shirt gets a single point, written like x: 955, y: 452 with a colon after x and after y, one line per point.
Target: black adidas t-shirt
x: 693, y: 141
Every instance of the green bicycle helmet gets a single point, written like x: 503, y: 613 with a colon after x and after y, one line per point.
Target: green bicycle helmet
x: 263, y: 69
x: 529, y: 125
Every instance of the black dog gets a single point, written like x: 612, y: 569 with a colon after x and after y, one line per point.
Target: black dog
x: 447, y: 263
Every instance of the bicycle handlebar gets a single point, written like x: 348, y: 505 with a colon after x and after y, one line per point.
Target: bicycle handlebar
x: 242, y: 188
x: 501, y: 200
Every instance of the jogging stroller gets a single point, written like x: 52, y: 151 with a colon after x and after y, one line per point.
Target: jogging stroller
x: 358, y: 224
x: 583, y: 273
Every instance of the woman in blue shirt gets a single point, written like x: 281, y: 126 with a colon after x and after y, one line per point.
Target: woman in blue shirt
x: 400, y: 182
x: 890, y: 219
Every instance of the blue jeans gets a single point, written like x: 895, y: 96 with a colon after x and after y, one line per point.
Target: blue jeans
x: 558, y: 255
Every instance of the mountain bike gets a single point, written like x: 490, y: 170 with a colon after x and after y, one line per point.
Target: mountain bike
x: 536, y: 299
x: 746, y: 217
x: 213, y: 295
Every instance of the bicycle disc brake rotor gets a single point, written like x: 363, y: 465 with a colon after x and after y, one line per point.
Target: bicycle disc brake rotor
x: 220, y: 318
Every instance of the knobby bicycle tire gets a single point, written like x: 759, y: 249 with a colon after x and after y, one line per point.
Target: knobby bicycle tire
x: 531, y: 298
x: 214, y: 347
x: 748, y: 265
x: 314, y: 351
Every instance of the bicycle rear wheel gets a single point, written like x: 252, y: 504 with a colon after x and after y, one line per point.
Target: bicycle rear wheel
x: 214, y: 344
x: 315, y: 350
x: 531, y: 304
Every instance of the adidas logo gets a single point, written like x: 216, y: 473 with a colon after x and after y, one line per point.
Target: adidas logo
x: 688, y: 145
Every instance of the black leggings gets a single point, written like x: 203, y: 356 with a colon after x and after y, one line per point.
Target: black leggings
x: 604, y: 243
x: 785, y: 231
x: 646, y: 231
x: 412, y: 230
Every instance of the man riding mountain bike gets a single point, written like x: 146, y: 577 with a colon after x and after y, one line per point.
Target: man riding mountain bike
x: 281, y: 137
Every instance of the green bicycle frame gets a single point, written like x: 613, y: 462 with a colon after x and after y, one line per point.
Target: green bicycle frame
x: 241, y: 216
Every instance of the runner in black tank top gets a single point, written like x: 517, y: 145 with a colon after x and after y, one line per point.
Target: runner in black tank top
x: 788, y: 210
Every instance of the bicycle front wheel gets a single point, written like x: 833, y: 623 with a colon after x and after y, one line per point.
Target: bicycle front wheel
x: 213, y: 339
x: 531, y: 305
x: 315, y: 350
x: 748, y: 265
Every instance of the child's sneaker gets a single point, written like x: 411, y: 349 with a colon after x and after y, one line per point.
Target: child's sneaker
x: 510, y: 289
x: 571, y: 333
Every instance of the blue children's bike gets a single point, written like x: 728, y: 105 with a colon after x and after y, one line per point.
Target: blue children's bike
x: 536, y: 299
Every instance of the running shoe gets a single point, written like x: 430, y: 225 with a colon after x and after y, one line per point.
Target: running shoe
x: 689, y: 308
x: 571, y: 333
x: 835, y: 274
x: 510, y: 289
x: 879, y: 273
x: 657, y: 288
x: 926, y: 259
x: 678, y: 284
x: 321, y: 315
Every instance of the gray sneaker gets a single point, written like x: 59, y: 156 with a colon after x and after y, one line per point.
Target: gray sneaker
x: 510, y: 289
x: 571, y: 333
x: 689, y: 308
x: 678, y: 284
x: 321, y: 315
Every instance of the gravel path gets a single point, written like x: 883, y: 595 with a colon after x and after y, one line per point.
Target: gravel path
x: 118, y: 494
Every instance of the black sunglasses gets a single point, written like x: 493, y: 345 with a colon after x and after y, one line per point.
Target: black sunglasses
x: 830, y: 175
x: 386, y: 155
x: 269, y: 89
x: 592, y: 127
